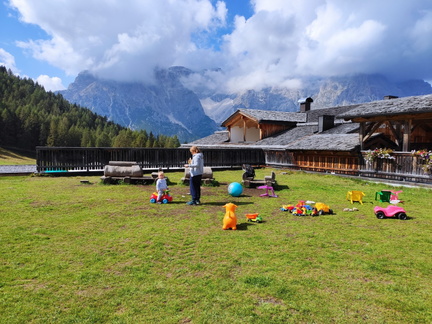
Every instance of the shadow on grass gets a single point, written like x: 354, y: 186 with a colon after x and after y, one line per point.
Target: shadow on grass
x: 243, y: 226
x: 397, y: 219
x: 218, y: 203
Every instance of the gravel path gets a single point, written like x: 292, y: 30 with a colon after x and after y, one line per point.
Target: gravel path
x: 11, y: 169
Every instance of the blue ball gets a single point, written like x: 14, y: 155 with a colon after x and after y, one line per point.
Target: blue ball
x: 235, y: 189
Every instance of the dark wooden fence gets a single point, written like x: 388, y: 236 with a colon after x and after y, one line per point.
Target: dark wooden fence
x: 58, y: 159
x: 404, y: 167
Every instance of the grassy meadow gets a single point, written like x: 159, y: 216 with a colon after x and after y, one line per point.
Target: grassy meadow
x: 95, y: 253
x: 8, y: 157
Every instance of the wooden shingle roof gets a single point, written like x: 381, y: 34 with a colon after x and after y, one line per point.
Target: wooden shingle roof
x: 215, y: 138
x: 286, y: 137
x: 326, y: 142
x: 308, y: 134
x: 398, y: 106
x: 313, y: 114
x: 266, y: 116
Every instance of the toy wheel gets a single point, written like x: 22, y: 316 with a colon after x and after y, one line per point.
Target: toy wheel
x: 165, y: 201
x: 380, y: 215
x: 321, y: 212
x: 402, y: 216
x: 330, y: 211
x: 153, y: 200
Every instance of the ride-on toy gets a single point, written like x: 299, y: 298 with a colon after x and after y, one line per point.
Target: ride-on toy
x: 390, y: 211
x: 165, y: 198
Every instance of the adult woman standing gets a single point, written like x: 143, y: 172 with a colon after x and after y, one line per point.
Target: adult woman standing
x: 196, y: 165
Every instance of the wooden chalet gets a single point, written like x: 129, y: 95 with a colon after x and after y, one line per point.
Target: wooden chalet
x: 407, y: 122
x: 335, y: 139
x: 249, y: 125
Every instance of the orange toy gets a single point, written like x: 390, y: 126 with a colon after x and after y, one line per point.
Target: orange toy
x: 230, y: 219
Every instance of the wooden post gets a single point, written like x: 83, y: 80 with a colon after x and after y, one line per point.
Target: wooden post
x: 361, y: 135
x: 407, y: 135
x: 244, y: 128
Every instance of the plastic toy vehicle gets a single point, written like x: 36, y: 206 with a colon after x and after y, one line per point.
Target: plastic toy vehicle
x: 254, y: 218
x: 287, y: 208
x: 321, y: 209
x: 302, y: 211
x: 165, y: 198
x: 390, y: 211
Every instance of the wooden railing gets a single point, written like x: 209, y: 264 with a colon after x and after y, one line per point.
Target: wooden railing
x: 403, y: 166
x: 58, y: 159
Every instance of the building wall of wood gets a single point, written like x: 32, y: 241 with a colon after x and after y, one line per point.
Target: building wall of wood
x: 320, y: 161
x: 244, y: 129
x: 271, y: 129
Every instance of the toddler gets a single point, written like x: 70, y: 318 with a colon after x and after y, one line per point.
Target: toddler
x: 161, y: 185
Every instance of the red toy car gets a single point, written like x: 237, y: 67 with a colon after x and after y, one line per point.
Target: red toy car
x: 390, y: 211
x: 165, y: 198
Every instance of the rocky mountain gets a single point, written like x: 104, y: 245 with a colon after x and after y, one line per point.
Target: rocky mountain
x: 171, y: 106
x: 163, y: 107
x: 328, y: 92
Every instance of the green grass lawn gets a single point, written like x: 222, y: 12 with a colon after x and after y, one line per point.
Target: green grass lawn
x: 8, y: 157
x: 94, y: 253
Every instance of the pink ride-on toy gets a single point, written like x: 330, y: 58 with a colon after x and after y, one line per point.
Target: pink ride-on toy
x: 390, y: 211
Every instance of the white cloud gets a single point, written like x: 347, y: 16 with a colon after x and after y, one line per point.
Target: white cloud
x: 117, y: 39
x: 280, y: 43
x: 50, y: 83
x: 7, y: 60
x: 288, y: 39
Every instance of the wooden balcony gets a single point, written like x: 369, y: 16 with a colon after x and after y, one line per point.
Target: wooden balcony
x: 402, y: 167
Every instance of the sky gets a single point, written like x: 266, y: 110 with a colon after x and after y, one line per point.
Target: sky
x: 255, y: 44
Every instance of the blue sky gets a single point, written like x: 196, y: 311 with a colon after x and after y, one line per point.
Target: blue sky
x: 257, y: 43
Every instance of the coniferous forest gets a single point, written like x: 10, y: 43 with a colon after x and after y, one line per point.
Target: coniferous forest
x: 31, y: 116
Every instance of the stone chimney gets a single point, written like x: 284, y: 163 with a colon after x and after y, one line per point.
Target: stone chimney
x: 325, y: 122
x: 305, y: 104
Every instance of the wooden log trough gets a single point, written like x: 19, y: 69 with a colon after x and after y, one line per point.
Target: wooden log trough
x: 207, y: 176
x: 127, y: 171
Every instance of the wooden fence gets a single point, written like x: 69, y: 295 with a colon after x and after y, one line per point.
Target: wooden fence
x: 404, y: 166
x: 60, y: 159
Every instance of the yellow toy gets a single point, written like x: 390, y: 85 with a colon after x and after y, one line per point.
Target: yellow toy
x: 230, y: 219
x: 355, y: 195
